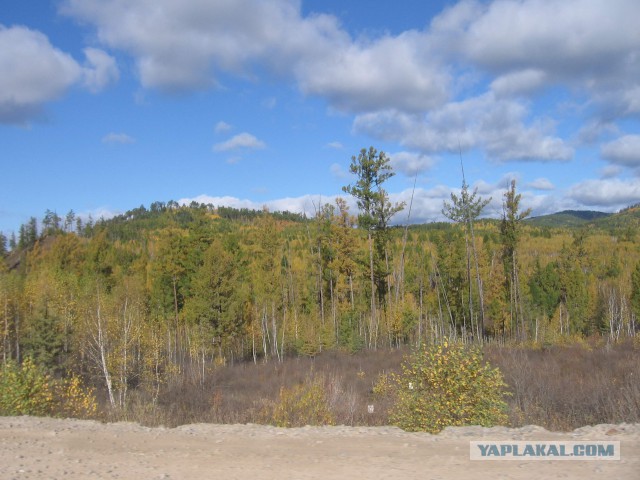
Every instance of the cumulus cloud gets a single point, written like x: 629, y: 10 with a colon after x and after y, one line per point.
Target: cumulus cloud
x: 391, y: 72
x: 623, y: 151
x: 101, y: 70
x: 25, y: 86
x: 118, y: 138
x: 187, y: 45
x: 241, y: 141
x: 607, y: 193
x: 495, y: 125
x: 590, y: 44
x: 610, y: 171
x: 184, y: 45
x: 521, y: 82
x: 412, y: 87
x: 541, y: 184
x: 506, y: 35
x: 411, y: 163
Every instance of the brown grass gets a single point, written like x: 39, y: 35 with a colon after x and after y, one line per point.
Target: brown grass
x: 566, y: 387
x: 242, y: 392
x: 559, y: 388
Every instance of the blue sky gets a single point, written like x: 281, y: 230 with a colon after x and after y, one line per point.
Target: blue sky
x: 109, y: 104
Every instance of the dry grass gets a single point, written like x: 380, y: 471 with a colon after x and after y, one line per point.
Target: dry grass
x: 242, y: 392
x: 559, y: 388
x: 566, y: 387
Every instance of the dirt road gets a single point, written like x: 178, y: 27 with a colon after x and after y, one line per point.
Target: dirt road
x: 43, y: 448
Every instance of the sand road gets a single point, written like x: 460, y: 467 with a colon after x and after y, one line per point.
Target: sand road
x: 44, y: 448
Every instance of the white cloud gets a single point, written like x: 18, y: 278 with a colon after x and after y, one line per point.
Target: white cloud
x: 118, y: 138
x: 495, y: 125
x: 623, y: 151
x: 186, y: 45
x: 242, y: 140
x: 589, y: 44
x: 338, y: 172
x: 412, y: 88
x: 335, y: 145
x: 607, y: 193
x: 25, y: 86
x: 593, y: 130
x: 611, y: 171
x: 410, y: 163
x: 541, y: 184
x: 564, y: 38
x: 391, y: 72
x: 101, y: 70
x: 222, y: 127
x: 183, y: 45
x: 521, y: 82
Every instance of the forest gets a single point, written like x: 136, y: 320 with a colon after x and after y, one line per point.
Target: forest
x: 131, y: 303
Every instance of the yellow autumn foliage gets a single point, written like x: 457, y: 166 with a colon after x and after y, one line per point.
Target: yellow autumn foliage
x: 445, y: 385
x: 27, y: 389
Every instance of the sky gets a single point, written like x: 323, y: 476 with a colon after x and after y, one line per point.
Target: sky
x: 106, y: 105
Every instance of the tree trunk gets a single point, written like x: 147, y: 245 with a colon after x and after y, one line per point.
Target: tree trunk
x: 373, y: 325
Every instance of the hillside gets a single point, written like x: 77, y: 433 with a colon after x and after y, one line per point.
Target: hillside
x: 568, y: 218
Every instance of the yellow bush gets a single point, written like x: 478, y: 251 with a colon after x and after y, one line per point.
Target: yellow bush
x: 28, y: 390
x: 445, y: 385
x: 74, y: 400
x: 25, y: 389
x: 301, y: 405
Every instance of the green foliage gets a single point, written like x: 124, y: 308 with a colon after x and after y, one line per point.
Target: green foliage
x: 301, y: 405
x: 445, y: 385
x: 137, y: 300
x: 28, y: 390
x: 25, y: 389
x: 373, y: 169
x: 544, y: 286
x: 635, y: 291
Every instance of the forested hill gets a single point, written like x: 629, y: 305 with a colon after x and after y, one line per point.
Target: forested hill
x: 132, y: 299
x: 568, y: 218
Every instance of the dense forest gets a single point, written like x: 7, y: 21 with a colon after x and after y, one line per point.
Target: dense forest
x: 133, y: 300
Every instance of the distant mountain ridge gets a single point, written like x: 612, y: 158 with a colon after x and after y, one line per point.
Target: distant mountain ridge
x: 575, y: 218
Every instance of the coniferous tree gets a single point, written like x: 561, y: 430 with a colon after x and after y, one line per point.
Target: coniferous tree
x: 511, y: 230
x: 464, y: 210
x: 373, y: 169
x: 3, y: 246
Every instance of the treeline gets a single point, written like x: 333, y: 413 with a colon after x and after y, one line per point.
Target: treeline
x: 140, y: 298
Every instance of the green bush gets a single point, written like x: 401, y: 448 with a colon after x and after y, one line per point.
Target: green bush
x: 28, y: 390
x: 445, y: 385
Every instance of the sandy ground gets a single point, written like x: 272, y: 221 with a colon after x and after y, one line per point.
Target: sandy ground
x: 43, y: 448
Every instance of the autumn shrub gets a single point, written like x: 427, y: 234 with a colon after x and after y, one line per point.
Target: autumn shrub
x: 73, y: 399
x: 300, y: 405
x: 445, y: 385
x: 27, y: 389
